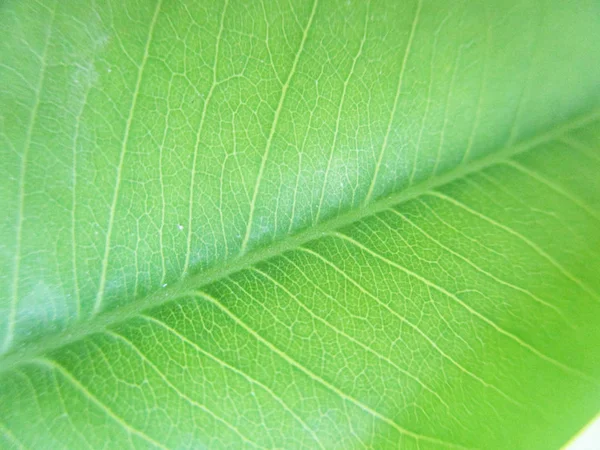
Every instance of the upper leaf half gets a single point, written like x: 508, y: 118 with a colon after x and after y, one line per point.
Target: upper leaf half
x: 142, y: 142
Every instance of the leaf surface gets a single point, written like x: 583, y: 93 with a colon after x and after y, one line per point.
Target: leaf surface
x: 299, y: 224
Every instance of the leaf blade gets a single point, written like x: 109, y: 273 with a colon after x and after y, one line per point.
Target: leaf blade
x: 455, y: 314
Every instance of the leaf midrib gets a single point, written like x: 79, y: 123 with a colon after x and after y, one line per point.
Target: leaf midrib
x: 102, y: 321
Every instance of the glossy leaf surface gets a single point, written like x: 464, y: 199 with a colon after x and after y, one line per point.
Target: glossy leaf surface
x: 299, y: 224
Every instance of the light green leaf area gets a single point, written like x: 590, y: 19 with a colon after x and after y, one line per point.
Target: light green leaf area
x: 299, y: 224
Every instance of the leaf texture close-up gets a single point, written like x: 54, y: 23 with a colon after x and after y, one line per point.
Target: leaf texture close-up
x: 299, y: 224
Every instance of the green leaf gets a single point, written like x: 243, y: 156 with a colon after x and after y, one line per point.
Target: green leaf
x: 299, y: 224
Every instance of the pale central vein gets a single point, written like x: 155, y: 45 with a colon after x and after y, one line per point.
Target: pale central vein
x: 219, y: 272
